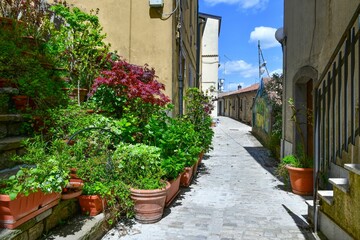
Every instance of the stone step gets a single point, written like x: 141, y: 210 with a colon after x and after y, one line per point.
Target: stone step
x: 354, y: 168
x: 310, y: 203
x: 9, y: 90
x: 11, y: 143
x: 81, y: 227
x: 10, y: 125
x: 11, y: 118
x: 340, y: 183
x: 327, y: 196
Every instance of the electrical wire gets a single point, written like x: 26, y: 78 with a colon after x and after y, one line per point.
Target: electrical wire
x: 165, y: 16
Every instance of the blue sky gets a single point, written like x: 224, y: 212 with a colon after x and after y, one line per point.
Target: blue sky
x: 243, y: 23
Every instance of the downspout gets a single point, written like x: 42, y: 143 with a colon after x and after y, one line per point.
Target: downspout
x: 197, y: 84
x: 180, y: 76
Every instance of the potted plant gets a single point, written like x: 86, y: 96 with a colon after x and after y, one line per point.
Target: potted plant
x: 298, y: 167
x: 199, y: 107
x: 33, y: 189
x: 103, y: 187
x: 92, y: 201
x: 140, y: 168
x: 78, y: 46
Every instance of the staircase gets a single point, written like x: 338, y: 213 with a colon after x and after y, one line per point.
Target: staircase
x: 339, y: 208
x: 10, y: 139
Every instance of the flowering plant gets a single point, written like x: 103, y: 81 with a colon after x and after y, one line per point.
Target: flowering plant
x: 129, y: 82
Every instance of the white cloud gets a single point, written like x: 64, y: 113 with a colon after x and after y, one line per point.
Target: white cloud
x: 266, y: 35
x: 278, y: 71
x: 244, y: 69
x: 245, y: 4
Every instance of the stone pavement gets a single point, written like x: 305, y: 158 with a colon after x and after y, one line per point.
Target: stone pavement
x: 234, y: 196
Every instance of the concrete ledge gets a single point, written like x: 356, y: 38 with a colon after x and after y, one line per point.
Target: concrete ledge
x: 340, y: 183
x: 355, y: 168
x: 327, y: 196
x: 81, y: 228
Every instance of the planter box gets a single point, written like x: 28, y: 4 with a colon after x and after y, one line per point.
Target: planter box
x: 91, y: 204
x: 186, y: 176
x: 172, y: 190
x: 16, y: 212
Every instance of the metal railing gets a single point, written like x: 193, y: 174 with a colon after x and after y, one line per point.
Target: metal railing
x: 337, y: 99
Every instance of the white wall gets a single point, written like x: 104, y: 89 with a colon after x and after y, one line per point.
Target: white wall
x: 210, y: 59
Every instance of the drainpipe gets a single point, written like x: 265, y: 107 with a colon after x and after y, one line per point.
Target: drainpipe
x: 198, y: 46
x: 180, y: 76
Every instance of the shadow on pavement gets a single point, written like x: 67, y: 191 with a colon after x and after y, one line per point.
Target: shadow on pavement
x: 261, y: 155
x: 303, y: 226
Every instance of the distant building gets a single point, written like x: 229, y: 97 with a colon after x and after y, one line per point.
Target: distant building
x: 238, y: 104
x: 210, y: 56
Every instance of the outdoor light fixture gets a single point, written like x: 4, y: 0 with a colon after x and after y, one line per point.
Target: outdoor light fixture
x: 156, y: 3
x: 280, y: 35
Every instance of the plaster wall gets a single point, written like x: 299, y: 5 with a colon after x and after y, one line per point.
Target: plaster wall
x: 141, y: 35
x: 312, y: 30
x: 210, y: 59
x: 137, y: 33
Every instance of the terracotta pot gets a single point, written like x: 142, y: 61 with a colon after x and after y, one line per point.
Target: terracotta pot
x: 6, y: 83
x: 186, y: 176
x: 301, y: 180
x: 172, y: 190
x: 201, y: 155
x: 39, y: 125
x: 75, y: 183
x: 91, y: 204
x: 70, y: 194
x: 73, y: 189
x: 73, y: 171
x: 195, y: 168
x: 148, y: 204
x: 21, y: 102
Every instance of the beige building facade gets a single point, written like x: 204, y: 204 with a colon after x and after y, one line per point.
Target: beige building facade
x: 321, y: 49
x: 164, y: 37
x: 238, y: 104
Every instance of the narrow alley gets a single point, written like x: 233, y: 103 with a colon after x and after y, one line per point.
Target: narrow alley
x: 234, y: 196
